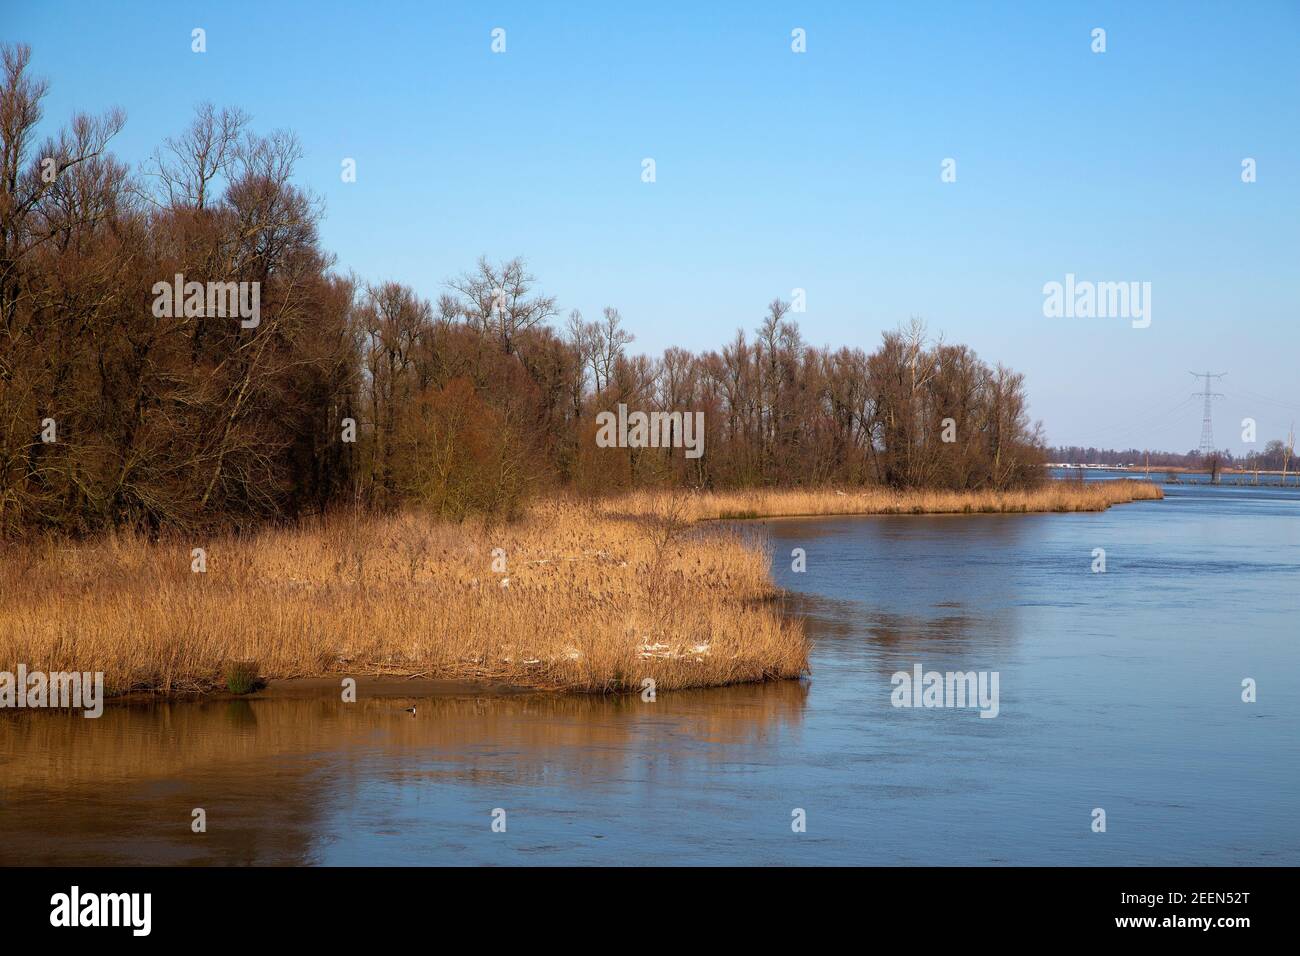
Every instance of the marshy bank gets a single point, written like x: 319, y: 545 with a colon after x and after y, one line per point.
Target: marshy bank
x: 564, y: 599
x: 577, y: 596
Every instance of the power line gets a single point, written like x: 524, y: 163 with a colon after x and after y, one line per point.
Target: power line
x: 1139, y: 429
x: 1256, y: 397
x: 1132, y: 423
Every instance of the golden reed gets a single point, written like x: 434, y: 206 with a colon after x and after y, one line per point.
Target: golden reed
x: 794, y: 502
x: 592, y: 596
x: 582, y: 602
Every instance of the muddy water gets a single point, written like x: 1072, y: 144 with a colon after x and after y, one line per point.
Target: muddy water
x: 1119, y: 691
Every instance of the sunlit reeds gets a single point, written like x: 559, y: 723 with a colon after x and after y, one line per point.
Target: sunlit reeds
x: 583, y: 602
x: 592, y: 596
x: 798, y: 502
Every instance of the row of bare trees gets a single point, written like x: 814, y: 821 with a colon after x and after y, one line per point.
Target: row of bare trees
x: 369, y: 394
x: 469, y: 411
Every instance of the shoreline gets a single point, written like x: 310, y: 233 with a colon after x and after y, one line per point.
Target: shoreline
x: 371, y: 686
x: 605, y: 597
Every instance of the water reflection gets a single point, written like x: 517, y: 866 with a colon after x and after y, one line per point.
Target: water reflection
x: 911, y: 586
x: 269, y: 771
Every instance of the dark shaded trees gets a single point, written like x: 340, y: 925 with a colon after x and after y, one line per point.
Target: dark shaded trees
x: 111, y: 414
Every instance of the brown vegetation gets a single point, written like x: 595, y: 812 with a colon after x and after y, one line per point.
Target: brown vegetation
x: 353, y: 393
x: 351, y: 424
x: 592, y: 596
x: 776, y: 503
x: 575, y: 601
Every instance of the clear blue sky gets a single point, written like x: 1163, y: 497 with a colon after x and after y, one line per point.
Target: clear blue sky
x: 778, y: 170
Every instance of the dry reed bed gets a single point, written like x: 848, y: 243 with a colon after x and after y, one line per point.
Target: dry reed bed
x: 589, y: 602
x: 795, y: 502
x: 595, y: 596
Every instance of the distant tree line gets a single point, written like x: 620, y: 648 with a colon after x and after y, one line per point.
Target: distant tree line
x: 366, y: 394
x: 1078, y: 455
x: 1274, y: 456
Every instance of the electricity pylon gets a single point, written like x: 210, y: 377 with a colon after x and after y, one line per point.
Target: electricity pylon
x: 1290, y: 450
x: 1207, y: 428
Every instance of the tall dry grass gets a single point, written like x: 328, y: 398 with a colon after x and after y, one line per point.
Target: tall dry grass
x: 595, y: 596
x: 796, y: 502
x: 590, y: 602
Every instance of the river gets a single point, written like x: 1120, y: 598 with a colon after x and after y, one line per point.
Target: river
x: 1119, y: 691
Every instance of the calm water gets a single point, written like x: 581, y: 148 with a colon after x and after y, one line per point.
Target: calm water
x: 1118, y: 690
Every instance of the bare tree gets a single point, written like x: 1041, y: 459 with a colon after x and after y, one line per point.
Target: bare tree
x: 498, y: 302
x: 188, y: 165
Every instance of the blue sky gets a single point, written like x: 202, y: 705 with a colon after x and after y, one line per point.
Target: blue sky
x: 777, y: 170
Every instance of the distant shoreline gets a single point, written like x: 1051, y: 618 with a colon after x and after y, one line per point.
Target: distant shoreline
x: 1180, y: 469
